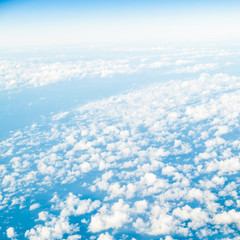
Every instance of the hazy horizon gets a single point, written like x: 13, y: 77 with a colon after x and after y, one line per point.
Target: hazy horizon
x: 63, y: 23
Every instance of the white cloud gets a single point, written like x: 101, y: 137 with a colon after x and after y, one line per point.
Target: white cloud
x: 140, y: 206
x: 74, y: 237
x: 161, y: 222
x: 231, y: 166
x: 228, y: 218
x: 198, y: 217
x: 59, y: 116
x: 168, y: 170
x: 53, y: 229
x: 43, y: 216
x: 11, y: 233
x: 158, y: 64
x: 34, y: 206
x: 197, y: 68
x: 148, y: 155
x: 107, y: 218
x: 56, y: 226
x: 25, y: 73
x: 105, y: 236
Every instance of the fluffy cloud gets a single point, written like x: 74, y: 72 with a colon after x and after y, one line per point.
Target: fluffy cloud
x: 228, y: 218
x: 45, y: 71
x: 55, y: 227
x: 106, y: 218
x: 162, y: 161
x: 198, y: 217
x: 105, y: 236
x: 11, y: 233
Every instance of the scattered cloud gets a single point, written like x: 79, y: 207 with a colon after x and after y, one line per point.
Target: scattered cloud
x: 162, y: 160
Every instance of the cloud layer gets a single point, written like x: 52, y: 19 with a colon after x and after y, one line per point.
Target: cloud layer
x: 160, y: 161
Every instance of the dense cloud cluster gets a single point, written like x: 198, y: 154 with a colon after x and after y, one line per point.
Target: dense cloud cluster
x: 162, y: 161
x: 22, y: 73
x: 18, y: 73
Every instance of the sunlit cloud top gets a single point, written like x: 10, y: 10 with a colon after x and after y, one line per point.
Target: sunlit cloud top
x: 64, y: 23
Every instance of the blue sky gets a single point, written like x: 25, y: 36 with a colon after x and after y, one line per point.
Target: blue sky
x: 48, y: 23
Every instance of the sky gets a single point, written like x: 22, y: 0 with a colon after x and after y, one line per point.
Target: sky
x: 129, y: 143
x: 65, y: 23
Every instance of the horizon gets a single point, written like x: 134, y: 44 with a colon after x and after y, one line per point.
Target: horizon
x: 43, y: 24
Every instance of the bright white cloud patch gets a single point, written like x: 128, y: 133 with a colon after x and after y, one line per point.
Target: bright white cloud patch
x: 105, y: 236
x: 34, y: 206
x: 10, y: 232
x: 41, y: 72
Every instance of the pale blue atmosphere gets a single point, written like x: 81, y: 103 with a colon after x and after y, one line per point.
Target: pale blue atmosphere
x: 64, y: 23
x: 119, y: 120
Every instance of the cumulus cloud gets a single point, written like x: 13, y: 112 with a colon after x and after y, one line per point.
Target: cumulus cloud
x: 11, y: 233
x: 114, y: 217
x: 27, y: 72
x: 198, y: 217
x: 162, y: 161
x: 162, y: 223
x: 55, y: 227
x: 105, y: 236
x: 228, y: 218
